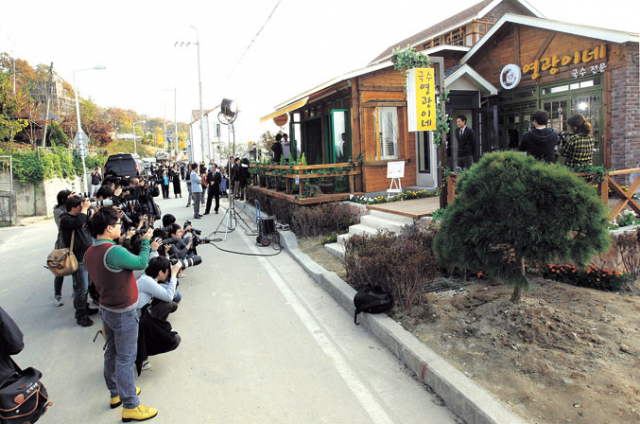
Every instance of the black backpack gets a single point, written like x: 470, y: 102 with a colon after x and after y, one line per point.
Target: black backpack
x: 372, y: 300
x: 23, y: 397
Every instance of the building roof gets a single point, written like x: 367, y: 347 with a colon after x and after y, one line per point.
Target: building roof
x: 195, y: 114
x: 604, y: 34
x: 474, y: 12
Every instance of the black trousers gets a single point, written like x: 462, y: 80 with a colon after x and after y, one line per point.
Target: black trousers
x: 213, y: 191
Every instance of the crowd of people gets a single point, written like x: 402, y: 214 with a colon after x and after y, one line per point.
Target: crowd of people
x: 130, y: 260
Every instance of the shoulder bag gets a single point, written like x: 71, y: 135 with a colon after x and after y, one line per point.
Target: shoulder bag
x: 63, y: 262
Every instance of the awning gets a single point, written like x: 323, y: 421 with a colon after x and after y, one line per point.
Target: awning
x: 283, y: 110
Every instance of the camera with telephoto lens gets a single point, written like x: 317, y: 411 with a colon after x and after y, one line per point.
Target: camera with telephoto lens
x: 101, y: 203
x: 187, y: 262
x: 172, y: 240
x: 192, y: 230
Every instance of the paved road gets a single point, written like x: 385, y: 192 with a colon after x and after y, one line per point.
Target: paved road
x: 261, y: 343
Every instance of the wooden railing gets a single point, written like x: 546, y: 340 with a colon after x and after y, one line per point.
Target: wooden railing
x: 626, y: 197
x: 305, y: 172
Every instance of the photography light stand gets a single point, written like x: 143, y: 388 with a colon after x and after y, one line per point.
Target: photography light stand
x: 227, y: 116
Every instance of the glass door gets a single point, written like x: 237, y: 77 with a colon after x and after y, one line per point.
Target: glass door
x: 339, y: 140
x: 590, y: 105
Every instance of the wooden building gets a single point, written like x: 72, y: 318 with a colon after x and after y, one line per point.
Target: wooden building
x: 563, y: 68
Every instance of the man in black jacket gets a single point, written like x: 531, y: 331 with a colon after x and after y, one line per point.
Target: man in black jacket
x: 74, y: 222
x: 467, y: 147
x: 11, y: 343
x: 540, y: 141
x: 213, y: 188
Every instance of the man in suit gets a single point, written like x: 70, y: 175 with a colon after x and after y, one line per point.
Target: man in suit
x: 467, y: 148
x: 213, y: 190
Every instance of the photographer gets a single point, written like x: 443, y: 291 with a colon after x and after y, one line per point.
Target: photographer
x: 111, y: 268
x: 58, y: 211
x: 159, y: 283
x: 181, y: 248
x: 73, y: 224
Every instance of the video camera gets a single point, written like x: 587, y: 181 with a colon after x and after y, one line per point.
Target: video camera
x: 563, y: 137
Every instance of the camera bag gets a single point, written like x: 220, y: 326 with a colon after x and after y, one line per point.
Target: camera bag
x: 372, y: 300
x: 62, y: 262
x: 23, y: 397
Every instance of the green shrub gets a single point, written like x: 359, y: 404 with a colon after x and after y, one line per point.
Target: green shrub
x: 312, y: 221
x: 402, y: 263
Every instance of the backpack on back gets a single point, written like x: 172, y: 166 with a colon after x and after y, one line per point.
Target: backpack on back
x: 372, y: 300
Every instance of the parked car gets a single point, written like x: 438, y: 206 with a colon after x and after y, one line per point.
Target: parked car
x: 124, y: 165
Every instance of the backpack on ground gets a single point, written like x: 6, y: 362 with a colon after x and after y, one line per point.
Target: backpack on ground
x: 62, y: 261
x: 23, y: 397
x: 372, y: 300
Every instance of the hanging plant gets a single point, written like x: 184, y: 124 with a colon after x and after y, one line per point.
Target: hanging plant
x: 406, y: 59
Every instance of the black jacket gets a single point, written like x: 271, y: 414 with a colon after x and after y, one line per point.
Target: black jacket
x: 155, y: 336
x: 467, y: 143
x: 540, y: 143
x: 11, y: 343
x: 277, y: 151
x: 82, y: 240
x: 213, y: 180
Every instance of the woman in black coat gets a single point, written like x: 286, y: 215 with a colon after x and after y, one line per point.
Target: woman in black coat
x: 175, y: 178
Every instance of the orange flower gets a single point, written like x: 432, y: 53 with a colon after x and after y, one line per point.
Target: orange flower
x: 597, y: 279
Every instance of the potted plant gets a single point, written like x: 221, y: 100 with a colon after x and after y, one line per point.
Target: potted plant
x: 327, y: 184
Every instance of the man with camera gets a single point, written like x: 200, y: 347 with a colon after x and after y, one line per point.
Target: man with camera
x: 111, y: 268
x: 74, y: 228
x: 159, y: 282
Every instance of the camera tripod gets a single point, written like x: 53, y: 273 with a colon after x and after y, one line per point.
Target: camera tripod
x: 231, y: 216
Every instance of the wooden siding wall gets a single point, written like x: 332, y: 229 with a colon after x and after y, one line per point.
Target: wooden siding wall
x: 383, y: 88
x: 522, y: 45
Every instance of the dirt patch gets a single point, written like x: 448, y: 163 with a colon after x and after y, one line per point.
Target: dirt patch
x: 563, y: 355
x: 312, y: 247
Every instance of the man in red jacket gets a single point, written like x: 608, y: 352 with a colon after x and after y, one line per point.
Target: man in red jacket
x: 111, y: 268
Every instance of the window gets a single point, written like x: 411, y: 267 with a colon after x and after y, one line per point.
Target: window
x: 340, y: 135
x: 388, y: 132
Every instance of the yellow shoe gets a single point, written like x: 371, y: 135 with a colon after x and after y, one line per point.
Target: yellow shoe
x: 115, y: 401
x: 140, y: 413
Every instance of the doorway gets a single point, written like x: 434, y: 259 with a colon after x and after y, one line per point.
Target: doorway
x: 427, y: 155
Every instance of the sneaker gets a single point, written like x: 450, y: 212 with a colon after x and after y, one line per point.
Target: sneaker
x: 91, y: 311
x: 57, y: 301
x: 146, y: 366
x: 85, y: 322
x: 140, y: 413
x: 115, y: 401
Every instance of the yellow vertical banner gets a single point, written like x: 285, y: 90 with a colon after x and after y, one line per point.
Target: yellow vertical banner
x: 425, y: 99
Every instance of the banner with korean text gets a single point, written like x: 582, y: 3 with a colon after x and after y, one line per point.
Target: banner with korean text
x: 421, y: 99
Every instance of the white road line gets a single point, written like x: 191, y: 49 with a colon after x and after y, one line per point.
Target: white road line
x: 364, y: 396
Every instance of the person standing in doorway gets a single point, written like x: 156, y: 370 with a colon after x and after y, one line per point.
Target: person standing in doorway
x: 467, y: 146
x: 196, y: 190
x: 540, y: 141
x: 286, y: 147
x: 578, y: 150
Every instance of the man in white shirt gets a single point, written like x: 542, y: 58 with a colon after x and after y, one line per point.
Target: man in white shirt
x: 152, y: 284
x: 286, y: 147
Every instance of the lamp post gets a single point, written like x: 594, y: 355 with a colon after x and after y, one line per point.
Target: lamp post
x: 197, y: 43
x: 80, y: 135
x: 175, y: 117
x: 135, y: 145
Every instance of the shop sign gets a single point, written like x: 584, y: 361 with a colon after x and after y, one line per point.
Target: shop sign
x: 551, y: 63
x: 281, y: 120
x: 510, y: 76
x: 421, y: 99
x: 593, y: 70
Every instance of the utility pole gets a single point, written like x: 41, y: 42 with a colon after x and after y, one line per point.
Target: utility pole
x: 46, y: 116
x: 200, y: 86
x: 175, y: 121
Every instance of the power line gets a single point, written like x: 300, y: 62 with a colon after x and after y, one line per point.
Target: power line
x: 254, y: 39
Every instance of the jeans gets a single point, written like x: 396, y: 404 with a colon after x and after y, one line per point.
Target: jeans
x: 121, y: 333
x: 57, y: 286
x: 80, y: 289
x: 189, y: 188
x: 196, y: 203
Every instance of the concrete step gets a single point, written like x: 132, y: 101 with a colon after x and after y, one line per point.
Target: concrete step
x: 392, y: 217
x: 336, y: 249
x: 383, y: 223
x: 360, y: 229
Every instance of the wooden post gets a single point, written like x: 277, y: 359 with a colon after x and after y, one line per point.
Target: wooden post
x: 451, y: 189
x: 352, y: 183
x: 603, y: 186
x: 288, y: 185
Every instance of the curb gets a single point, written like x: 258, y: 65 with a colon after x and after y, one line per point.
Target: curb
x: 466, y: 399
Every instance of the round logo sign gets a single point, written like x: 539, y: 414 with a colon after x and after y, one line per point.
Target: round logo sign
x: 510, y: 76
x: 281, y: 120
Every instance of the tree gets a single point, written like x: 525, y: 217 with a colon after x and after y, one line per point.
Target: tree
x: 511, y: 210
x: 10, y: 107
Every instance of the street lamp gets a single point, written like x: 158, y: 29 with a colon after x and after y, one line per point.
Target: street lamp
x: 135, y: 145
x: 175, y: 117
x: 80, y: 135
x: 197, y: 43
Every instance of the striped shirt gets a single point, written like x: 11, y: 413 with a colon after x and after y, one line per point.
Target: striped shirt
x: 578, y: 151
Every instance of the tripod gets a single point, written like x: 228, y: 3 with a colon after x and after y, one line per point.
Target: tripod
x: 230, y: 216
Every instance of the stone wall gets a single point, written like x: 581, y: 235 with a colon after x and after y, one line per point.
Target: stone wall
x: 8, y: 209
x: 38, y: 199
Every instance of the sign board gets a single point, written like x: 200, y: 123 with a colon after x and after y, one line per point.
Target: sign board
x: 421, y: 99
x: 510, y: 76
x: 395, y: 169
x: 80, y: 141
x: 281, y: 120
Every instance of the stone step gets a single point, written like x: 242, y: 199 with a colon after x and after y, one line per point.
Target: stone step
x: 343, y: 237
x: 392, y: 216
x: 383, y: 223
x: 336, y: 249
x: 360, y: 229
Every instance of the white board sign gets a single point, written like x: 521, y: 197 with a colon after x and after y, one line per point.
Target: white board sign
x: 395, y: 169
